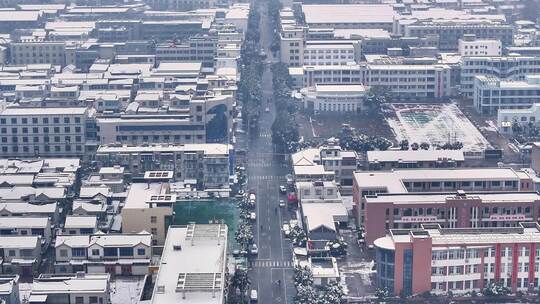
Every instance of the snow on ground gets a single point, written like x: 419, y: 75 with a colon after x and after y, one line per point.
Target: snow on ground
x: 126, y: 290
x: 435, y: 124
x: 24, y: 291
x: 364, y: 270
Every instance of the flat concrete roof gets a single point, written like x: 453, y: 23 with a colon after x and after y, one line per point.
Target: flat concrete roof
x: 348, y: 13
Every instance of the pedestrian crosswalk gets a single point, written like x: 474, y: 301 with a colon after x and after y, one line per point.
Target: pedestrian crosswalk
x: 266, y: 177
x: 267, y: 165
x: 265, y: 134
x: 271, y: 264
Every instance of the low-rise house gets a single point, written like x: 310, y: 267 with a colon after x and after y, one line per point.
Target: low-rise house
x: 24, y: 209
x: 80, y: 225
x: 27, y: 226
x: 117, y: 254
x: 112, y: 177
x: 9, y: 289
x: 70, y: 288
x: 20, y: 255
x: 324, y: 269
x: 321, y: 222
x: 33, y: 195
x: 96, y: 192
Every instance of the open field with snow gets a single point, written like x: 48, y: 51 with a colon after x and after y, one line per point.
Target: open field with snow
x: 435, y: 124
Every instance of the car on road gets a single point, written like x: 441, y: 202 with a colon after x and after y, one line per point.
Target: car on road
x: 267, y: 109
x: 254, y: 250
x: 282, y: 189
x: 253, y: 216
x: 253, y: 296
x: 281, y: 203
x: 286, y: 228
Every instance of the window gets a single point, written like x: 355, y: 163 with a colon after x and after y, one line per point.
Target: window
x: 110, y: 251
x: 153, y: 219
x: 93, y: 300
x: 141, y: 251
x: 126, y: 251
x: 78, y: 252
x: 95, y: 251
x: 79, y: 300
x: 56, y: 120
x: 63, y: 252
x: 153, y: 231
x: 11, y: 253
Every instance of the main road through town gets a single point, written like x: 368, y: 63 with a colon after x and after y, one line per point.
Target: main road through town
x: 271, y: 271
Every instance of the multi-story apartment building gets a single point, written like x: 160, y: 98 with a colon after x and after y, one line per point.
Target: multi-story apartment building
x: 459, y: 260
x: 450, y: 210
x: 469, y: 46
x: 404, y: 80
x: 332, y: 52
x: 197, y: 48
x: 436, y: 180
x: 292, y: 44
x: 349, y: 16
x: 31, y: 132
x: 492, y: 93
x: 206, y: 163
x: 148, y: 128
x: 30, y: 52
x: 308, y: 76
x: 328, y: 162
x: 121, y: 254
x: 148, y: 207
x: 430, y: 81
x: 451, y: 25
x: 504, y: 67
x: 193, y: 265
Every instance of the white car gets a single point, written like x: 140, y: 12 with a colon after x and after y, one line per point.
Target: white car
x: 253, y: 296
x: 282, y: 189
x: 286, y: 229
x: 253, y: 216
x: 282, y: 203
x: 254, y: 250
x: 267, y: 109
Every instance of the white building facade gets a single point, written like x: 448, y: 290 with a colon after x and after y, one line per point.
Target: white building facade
x: 480, y: 47
x: 334, y: 98
x: 492, y: 93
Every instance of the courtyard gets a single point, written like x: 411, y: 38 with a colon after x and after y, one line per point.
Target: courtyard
x: 435, y: 124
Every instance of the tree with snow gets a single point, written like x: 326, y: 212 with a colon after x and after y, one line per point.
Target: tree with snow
x: 331, y: 294
x: 382, y: 293
x: 244, y: 234
x: 240, y: 281
x: 298, y: 236
x: 302, y: 276
x: 337, y: 248
x: 495, y: 289
x: 305, y: 295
